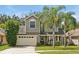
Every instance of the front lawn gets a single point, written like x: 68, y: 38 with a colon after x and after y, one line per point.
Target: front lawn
x: 3, y: 47
x: 57, y: 48
x: 61, y: 52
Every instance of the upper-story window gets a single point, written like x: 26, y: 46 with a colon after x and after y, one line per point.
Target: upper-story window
x: 32, y: 23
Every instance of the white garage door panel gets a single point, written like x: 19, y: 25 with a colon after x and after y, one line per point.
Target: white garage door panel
x: 27, y: 41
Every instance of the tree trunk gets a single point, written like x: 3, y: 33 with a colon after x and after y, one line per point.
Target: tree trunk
x: 44, y: 40
x: 40, y: 27
x: 78, y: 42
x: 53, y: 42
x: 53, y: 36
x: 43, y: 28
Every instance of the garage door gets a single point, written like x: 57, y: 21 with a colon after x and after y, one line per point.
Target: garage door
x: 27, y: 40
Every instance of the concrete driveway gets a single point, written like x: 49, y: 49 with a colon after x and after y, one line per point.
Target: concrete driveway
x: 19, y: 50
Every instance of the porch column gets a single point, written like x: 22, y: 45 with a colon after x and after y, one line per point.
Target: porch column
x: 53, y: 41
x: 49, y: 39
x: 64, y: 41
x: 58, y: 38
x: 44, y: 40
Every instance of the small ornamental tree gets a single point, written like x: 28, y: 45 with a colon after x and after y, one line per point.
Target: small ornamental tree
x: 12, y: 27
x: 3, y: 26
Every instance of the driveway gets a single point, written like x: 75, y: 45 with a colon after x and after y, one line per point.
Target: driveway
x: 19, y: 50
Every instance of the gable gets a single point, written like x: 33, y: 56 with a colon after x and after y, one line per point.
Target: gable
x: 32, y: 24
x: 32, y: 17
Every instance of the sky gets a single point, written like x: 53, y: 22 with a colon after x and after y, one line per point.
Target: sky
x: 21, y: 10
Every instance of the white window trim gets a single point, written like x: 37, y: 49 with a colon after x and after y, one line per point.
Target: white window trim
x: 34, y: 21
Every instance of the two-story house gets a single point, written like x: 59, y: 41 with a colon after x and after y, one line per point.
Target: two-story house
x: 29, y: 31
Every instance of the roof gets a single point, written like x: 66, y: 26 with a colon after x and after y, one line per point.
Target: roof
x: 74, y: 32
x: 2, y: 31
x: 32, y: 16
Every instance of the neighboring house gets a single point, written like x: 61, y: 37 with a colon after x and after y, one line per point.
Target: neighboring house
x: 74, y: 36
x: 2, y: 37
x: 29, y: 32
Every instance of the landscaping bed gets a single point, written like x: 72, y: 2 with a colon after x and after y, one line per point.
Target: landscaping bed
x: 3, y: 47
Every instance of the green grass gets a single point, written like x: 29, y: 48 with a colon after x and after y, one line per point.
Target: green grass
x: 3, y: 47
x: 57, y: 48
x: 60, y: 52
x: 65, y: 50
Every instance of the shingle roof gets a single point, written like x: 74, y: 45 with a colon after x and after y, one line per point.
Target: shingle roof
x: 2, y: 31
x: 73, y: 32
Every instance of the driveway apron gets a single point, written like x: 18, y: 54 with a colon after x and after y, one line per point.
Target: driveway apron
x: 19, y: 50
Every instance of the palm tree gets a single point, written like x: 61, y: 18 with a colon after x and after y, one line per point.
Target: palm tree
x: 43, y: 16
x: 50, y: 16
x: 69, y: 22
x: 54, y: 19
x: 77, y: 26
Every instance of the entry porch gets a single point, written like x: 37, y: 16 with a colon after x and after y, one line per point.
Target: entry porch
x: 54, y: 40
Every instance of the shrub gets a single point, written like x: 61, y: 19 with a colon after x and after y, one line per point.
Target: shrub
x: 57, y: 43
x: 12, y: 27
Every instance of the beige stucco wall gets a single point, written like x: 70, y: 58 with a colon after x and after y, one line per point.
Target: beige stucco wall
x: 4, y: 40
x: 37, y: 26
x: 38, y: 39
x: 75, y: 41
x: 22, y: 29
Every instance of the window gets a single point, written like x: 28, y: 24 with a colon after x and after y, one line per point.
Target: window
x: 19, y: 37
x: 32, y: 24
x: 24, y: 36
